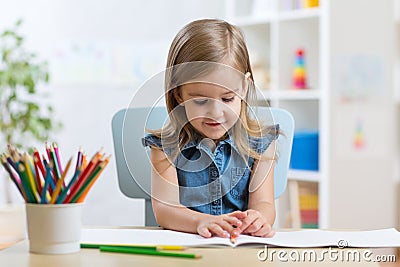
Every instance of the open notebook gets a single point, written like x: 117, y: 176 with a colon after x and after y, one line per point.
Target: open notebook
x: 301, y: 238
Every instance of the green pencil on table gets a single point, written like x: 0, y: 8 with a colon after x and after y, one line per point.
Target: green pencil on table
x: 151, y: 252
x: 157, y: 247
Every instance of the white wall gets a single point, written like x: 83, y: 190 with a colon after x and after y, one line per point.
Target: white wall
x: 362, y: 181
x: 86, y: 108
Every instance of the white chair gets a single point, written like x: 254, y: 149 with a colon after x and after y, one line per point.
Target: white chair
x: 132, y: 159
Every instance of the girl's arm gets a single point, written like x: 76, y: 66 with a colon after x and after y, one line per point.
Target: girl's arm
x: 261, y: 213
x: 171, y: 214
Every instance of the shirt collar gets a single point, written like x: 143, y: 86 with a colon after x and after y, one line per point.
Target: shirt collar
x: 196, y: 143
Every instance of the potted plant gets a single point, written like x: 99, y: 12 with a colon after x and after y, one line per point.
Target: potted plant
x: 24, y: 115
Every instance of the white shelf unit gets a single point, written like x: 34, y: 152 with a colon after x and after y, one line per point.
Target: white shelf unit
x: 273, y: 40
x: 327, y: 33
x: 304, y: 175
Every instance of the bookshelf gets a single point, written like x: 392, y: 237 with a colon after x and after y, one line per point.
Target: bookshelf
x: 304, y: 208
x: 331, y: 37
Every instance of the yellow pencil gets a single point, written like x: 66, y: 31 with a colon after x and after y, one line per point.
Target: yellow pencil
x: 171, y: 247
x: 60, y: 183
x: 157, y: 247
x: 30, y: 177
x: 84, y: 160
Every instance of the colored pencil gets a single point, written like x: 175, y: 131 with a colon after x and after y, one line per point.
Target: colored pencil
x: 13, y: 176
x: 148, y: 252
x: 56, y: 168
x: 25, y: 183
x: 78, y: 159
x: 64, y: 193
x: 38, y: 160
x: 32, y: 179
x: 84, y: 160
x: 158, y: 247
x: 43, y: 181
x: 86, y: 185
x: 92, y: 181
x: 38, y: 172
x: 58, y: 158
x: 48, y: 151
x: 46, y: 182
x: 83, y: 176
x: 53, y: 163
x: 60, y: 183
x: 48, y: 167
x: 10, y: 161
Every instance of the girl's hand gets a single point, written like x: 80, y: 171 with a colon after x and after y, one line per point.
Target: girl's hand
x: 256, y: 225
x: 221, y: 225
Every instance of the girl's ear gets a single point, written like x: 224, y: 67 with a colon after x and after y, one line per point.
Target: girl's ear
x: 177, y: 94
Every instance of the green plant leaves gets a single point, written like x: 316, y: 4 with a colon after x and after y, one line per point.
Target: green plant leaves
x: 22, y: 112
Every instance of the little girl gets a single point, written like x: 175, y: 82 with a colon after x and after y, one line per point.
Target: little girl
x: 213, y: 162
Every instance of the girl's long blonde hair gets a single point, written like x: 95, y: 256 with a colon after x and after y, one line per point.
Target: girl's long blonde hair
x: 204, y: 41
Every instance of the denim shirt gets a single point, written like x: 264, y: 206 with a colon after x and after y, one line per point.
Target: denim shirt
x: 214, y: 182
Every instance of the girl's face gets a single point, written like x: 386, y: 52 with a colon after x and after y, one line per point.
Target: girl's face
x: 211, y: 109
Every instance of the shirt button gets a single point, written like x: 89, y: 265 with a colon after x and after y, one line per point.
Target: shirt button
x: 216, y: 202
x: 214, y: 173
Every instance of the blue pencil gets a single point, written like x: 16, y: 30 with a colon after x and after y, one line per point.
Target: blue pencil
x: 47, y: 180
x: 64, y: 193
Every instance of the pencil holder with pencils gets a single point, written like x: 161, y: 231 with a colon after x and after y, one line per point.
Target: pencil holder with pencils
x: 53, y: 202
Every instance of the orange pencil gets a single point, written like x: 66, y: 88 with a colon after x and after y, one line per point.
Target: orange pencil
x: 84, y: 160
x: 60, y: 182
x: 103, y: 166
x: 82, y: 177
x: 90, y: 178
